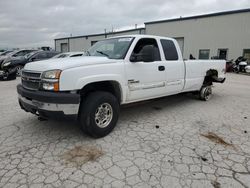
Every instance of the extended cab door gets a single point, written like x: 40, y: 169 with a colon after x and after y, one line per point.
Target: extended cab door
x: 175, y: 67
x: 145, y: 79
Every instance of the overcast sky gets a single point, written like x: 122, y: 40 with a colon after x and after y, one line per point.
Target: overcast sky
x: 34, y: 23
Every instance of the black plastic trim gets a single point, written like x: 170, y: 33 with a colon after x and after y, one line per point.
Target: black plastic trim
x: 49, y: 97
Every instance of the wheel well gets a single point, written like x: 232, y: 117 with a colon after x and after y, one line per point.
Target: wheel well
x: 108, y: 86
x: 210, y: 74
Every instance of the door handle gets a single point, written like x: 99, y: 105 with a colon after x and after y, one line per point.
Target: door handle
x: 161, y: 68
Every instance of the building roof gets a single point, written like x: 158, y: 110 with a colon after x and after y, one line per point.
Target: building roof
x: 200, y: 16
x: 100, y: 34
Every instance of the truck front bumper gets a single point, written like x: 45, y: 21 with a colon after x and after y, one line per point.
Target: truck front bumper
x: 49, y: 104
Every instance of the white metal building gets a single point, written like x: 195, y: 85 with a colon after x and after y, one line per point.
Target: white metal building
x: 224, y: 34
x: 80, y: 43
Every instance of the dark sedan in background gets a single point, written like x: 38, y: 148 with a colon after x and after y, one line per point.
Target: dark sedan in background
x: 12, y: 67
x: 13, y: 55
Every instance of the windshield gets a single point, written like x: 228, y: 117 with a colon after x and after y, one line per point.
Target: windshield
x: 115, y: 48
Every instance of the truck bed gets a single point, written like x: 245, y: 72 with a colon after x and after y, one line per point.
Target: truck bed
x: 196, y: 71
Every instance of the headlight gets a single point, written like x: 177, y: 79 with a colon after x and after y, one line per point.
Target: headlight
x: 50, y: 80
x: 53, y: 74
x: 6, y: 64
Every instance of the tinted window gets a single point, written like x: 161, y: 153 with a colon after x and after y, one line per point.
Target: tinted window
x: 41, y: 55
x: 51, y: 54
x: 246, y: 54
x: 21, y: 53
x: 147, y: 42
x: 169, y: 49
x: 204, y: 54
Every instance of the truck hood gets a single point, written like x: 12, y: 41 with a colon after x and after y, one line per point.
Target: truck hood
x: 67, y: 63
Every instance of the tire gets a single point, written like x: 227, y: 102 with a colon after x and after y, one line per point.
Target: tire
x: 206, y: 93
x: 9, y: 77
x: 18, y: 70
x: 98, y: 114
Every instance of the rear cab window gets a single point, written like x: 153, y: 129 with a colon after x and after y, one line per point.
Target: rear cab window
x: 169, y: 49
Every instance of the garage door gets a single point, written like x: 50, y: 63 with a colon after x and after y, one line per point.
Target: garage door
x: 64, y: 47
x: 180, y: 41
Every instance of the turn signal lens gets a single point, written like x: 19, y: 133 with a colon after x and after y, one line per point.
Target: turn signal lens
x: 56, y: 86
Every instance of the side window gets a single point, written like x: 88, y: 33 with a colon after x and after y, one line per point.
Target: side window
x: 21, y: 53
x: 169, y: 49
x: 204, y: 54
x: 146, y: 47
x: 41, y: 55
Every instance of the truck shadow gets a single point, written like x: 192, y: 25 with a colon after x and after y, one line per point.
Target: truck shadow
x: 67, y: 128
x: 161, y: 103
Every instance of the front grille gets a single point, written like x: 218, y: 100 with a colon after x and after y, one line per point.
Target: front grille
x: 31, y: 74
x: 31, y: 80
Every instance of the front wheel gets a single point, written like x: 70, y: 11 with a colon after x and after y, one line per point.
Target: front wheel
x: 206, y: 93
x: 99, y: 113
x: 19, y: 70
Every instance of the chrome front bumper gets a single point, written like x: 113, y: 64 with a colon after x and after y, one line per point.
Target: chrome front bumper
x: 49, y: 104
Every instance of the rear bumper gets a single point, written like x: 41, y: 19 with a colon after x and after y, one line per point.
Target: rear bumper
x: 48, y: 104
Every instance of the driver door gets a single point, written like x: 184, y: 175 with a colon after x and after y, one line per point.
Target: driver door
x: 145, y: 80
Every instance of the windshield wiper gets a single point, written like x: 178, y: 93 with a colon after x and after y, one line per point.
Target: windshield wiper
x: 100, y: 52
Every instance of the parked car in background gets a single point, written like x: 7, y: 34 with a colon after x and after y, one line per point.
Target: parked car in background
x: 240, y: 64
x: 13, y: 67
x: 14, y: 55
x: 69, y: 54
x: 5, y: 52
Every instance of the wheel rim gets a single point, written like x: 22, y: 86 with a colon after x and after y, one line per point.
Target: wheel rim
x: 103, y: 115
x: 19, y: 69
x: 208, y: 93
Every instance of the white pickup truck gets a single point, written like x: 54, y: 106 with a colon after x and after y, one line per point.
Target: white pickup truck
x: 114, y: 72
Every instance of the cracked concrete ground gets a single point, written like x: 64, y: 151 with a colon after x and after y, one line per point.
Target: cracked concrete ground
x: 155, y: 144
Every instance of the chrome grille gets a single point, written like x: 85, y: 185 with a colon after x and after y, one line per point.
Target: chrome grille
x: 31, y: 80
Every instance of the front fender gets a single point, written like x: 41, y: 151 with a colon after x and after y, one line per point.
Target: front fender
x: 100, y: 78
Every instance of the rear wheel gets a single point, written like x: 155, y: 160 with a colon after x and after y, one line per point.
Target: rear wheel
x: 99, y: 113
x: 206, y: 93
